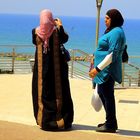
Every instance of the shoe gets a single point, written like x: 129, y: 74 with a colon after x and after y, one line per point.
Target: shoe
x: 100, y: 124
x: 103, y: 128
x: 68, y: 126
x: 50, y: 126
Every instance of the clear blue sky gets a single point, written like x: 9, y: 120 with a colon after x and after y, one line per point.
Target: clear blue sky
x: 129, y: 8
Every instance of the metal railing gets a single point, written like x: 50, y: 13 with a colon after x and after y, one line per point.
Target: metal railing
x: 16, y: 61
x: 80, y: 62
x: 131, y: 75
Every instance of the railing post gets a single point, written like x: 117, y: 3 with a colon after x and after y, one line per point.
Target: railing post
x: 32, y: 61
x: 139, y: 78
x: 129, y: 81
x: 72, y: 63
x: 13, y: 60
x: 123, y: 74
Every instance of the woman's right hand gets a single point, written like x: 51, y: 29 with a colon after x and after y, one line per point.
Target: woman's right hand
x: 58, y: 22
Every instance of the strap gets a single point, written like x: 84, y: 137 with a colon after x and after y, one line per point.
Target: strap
x: 40, y: 104
x: 57, y: 73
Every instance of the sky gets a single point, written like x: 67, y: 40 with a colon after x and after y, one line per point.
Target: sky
x: 129, y: 8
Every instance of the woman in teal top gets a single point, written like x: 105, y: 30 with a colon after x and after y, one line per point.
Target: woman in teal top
x: 111, y: 42
x: 108, y: 66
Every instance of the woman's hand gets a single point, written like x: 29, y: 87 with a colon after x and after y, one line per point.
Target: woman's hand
x: 93, y: 73
x: 58, y: 22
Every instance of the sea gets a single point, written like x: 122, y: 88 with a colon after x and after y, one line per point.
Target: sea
x: 16, y: 30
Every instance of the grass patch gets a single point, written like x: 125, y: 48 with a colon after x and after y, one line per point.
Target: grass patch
x: 21, y: 59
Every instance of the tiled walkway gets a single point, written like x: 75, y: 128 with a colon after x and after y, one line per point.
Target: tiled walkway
x: 17, y: 121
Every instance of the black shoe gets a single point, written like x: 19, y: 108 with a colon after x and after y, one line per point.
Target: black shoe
x: 100, y: 124
x: 50, y: 126
x: 68, y: 127
x: 103, y: 128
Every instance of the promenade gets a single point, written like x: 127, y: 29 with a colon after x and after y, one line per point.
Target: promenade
x: 17, y: 121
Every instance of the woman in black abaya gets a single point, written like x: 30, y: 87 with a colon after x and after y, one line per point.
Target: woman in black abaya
x: 52, y: 102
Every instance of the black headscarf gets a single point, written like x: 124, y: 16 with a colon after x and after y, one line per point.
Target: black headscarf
x: 116, y: 19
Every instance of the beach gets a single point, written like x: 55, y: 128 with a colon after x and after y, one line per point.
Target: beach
x: 17, y: 121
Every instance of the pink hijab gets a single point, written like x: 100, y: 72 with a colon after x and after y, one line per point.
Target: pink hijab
x: 47, y: 25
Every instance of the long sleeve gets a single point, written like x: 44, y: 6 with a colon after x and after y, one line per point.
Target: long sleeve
x: 33, y: 36
x: 106, y: 61
x: 63, y: 35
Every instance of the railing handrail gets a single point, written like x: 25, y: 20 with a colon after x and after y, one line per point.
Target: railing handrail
x: 132, y: 65
x: 12, y: 45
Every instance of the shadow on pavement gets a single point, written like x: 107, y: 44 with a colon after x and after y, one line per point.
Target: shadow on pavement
x: 18, y: 131
x: 83, y: 127
x: 120, y: 131
x: 129, y: 132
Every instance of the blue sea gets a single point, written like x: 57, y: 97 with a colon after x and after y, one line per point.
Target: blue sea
x: 16, y: 30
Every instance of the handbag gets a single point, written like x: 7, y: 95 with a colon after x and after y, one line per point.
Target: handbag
x: 125, y: 55
x: 96, y: 101
x: 65, y: 53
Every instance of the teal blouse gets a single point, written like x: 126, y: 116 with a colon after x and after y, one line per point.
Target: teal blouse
x: 113, y: 41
